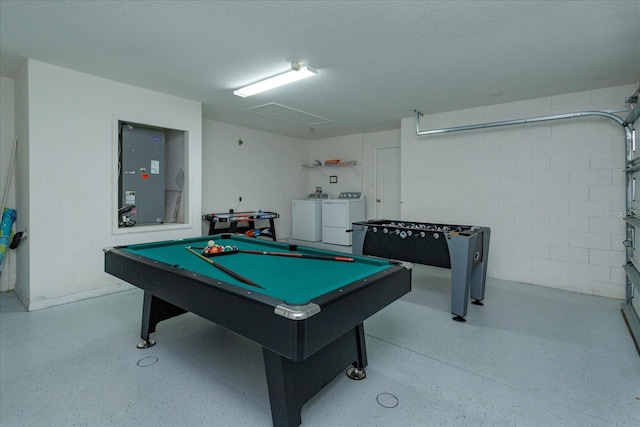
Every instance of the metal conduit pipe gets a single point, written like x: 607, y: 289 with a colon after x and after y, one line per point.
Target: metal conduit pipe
x: 624, y: 123
x: 611, y: 116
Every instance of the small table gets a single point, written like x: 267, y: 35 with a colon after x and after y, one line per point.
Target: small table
x: 232, y: 219
x: 462, y: 248
x: 308, y: 316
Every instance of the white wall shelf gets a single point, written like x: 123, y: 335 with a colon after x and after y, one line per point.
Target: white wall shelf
x: 321, y: 166
x: 339, y: 164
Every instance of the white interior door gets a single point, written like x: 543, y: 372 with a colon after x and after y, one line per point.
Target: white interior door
x: 388, y: 183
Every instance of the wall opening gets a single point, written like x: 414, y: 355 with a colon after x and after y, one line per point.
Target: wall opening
x: 151, y: 176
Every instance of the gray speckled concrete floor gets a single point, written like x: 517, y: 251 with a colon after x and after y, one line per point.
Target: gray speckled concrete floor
x: 530, y: 357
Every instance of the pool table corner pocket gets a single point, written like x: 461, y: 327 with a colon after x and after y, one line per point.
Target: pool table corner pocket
x: 297, y: 312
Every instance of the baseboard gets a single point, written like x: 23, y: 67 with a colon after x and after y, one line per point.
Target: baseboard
x: 66, y: 299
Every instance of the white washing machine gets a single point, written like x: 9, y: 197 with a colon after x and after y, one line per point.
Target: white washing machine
x: 306, y: 217
x: 337, y: 216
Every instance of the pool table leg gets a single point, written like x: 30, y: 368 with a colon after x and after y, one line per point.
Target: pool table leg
x: 154, y: 311
x: 292, y: 383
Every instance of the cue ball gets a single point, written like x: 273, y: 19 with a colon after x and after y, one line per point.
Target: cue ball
x: 211, y: 243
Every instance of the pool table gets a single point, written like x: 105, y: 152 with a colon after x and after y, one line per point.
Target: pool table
x: 306, y: 313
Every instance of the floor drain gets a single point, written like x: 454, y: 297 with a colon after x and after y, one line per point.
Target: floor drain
x: 147, y: 361
x: 387, y: 400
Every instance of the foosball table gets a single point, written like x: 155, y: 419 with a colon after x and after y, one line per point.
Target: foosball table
x: 463, y: 249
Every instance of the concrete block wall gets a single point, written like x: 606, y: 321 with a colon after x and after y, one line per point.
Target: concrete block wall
x: 553, y: 193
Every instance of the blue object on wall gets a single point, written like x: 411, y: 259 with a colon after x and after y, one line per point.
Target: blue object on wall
x: 8, y: 218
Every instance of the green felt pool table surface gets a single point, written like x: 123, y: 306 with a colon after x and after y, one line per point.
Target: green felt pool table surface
x: 295, y: 281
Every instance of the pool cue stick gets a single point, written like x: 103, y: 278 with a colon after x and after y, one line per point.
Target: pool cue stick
x: 225, y: 269
x: 298, y: 255
x: 9, y: 175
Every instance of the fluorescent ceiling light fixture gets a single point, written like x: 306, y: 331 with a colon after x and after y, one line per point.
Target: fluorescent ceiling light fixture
x: 296, y: 73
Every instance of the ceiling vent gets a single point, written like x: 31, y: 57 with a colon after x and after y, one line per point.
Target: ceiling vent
x: 288, y: 114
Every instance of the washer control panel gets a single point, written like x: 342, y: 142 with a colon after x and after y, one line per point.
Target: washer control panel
x: 318, y: 196
x: 350, y: 195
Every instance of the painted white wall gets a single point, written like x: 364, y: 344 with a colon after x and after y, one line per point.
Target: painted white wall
x: 265, y: 170
x: 7, y: 136
x: 344, y: 148
x: 358, y: 147
x: 553, y: 193
x: 21, y: 91
x: 70, y: 171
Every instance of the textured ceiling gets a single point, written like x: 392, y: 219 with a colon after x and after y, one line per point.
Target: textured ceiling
x: 377, y: 61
